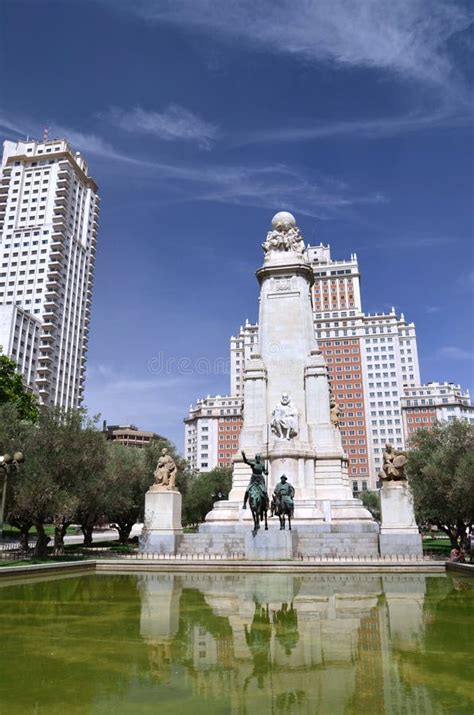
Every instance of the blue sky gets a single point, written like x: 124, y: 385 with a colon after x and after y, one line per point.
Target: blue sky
x: 202, y: 118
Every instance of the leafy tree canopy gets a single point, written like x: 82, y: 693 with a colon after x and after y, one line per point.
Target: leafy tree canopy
x: 440, y: 471
x: 13, y: 391
x: 371, y: 501
x: 203, y: 490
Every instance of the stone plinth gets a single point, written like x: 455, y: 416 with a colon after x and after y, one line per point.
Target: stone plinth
x: 162, y: 527
x: 271, y: 544
x: 398, y: 533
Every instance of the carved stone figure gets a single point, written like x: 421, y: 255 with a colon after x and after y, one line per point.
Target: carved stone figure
x: 165, y: 472
x: 285, y: 235
x: 335, y: 411
x: 393, y: 469
x: 285, y: 418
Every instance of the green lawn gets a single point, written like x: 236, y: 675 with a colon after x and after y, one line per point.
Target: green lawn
x: 12, y: 532
x: 52, y: 560
x: 438, y: 545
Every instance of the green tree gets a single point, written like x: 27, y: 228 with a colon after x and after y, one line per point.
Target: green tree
x: 128, y: 480
x: 205, y: 489
x: 64, y: 457
x: 15, y: 434
x: 13, y: 391
x: 371, y: 501
x: 440, y: 471
x: 89, y: 484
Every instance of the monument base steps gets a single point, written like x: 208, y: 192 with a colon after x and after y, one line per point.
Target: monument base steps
x: 304, y: 540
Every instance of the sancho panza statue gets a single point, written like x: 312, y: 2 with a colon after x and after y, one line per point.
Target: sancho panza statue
x: 285, y: 418
x: 165, y: 472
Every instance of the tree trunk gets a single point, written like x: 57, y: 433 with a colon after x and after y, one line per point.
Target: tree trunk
x: 60, y: 528
x: 42, y: 540
x: 451, y: 533
x: 24, y: 539
x: 58, y: 541
x: 87, y: 530
x: 124, y: 530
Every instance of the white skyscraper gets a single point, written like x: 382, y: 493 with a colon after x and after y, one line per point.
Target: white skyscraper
x: 48, y: 229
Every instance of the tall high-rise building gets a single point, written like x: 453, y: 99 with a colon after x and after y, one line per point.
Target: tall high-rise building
x: 49, y: 211
x: 370, y: 358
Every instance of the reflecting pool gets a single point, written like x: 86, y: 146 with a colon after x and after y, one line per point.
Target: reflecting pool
x: 237, y: 643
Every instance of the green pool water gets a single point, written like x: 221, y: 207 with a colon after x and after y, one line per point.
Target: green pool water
x: 237, y: 643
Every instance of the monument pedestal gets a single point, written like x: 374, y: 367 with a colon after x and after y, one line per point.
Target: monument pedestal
x: 162, y: 526
x: 398, y: 533
x: 271, y: 544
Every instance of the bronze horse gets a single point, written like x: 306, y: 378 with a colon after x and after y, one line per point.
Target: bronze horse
x: 258, y: 503
x: 281, y: 508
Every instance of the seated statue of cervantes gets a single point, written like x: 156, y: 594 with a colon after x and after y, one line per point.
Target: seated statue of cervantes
x: 285, y: 418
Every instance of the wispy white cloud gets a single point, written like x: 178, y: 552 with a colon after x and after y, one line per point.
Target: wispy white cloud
x: 454, y: 353
x: 262, y: 185
x: 408, y: 37
x: 368, y: 128
x: 23, y: 127
x: 173, y: 124
x: 277, y: 185
x: 11, y: 125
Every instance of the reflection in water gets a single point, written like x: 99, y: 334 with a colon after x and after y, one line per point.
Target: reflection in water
x: 285, y: 644
x: 286, y: 627
x: 258, y: 640
x: 237, y: 644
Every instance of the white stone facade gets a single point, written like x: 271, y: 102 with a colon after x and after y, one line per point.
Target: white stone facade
x: 48, y: 229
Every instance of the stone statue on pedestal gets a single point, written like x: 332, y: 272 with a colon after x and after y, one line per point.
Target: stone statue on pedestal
x: 165, y: 472
x: 393, y: 469
x: 285, y: 419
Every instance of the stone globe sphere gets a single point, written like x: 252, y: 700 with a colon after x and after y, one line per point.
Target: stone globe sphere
x: 283, y: 218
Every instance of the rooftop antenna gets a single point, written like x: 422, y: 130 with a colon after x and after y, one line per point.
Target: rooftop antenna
x: 45, y: 134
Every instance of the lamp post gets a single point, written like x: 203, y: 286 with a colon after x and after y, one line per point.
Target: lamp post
x: 8, y: 465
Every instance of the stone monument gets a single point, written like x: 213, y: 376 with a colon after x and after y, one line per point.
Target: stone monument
x: 163, y: 504
x: 398, y: 533
x: 289, y: 416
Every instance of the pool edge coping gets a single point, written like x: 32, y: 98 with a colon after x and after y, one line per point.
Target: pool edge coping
x: 126, y: 566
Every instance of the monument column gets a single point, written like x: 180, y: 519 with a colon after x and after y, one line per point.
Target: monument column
x: 289, y: 418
